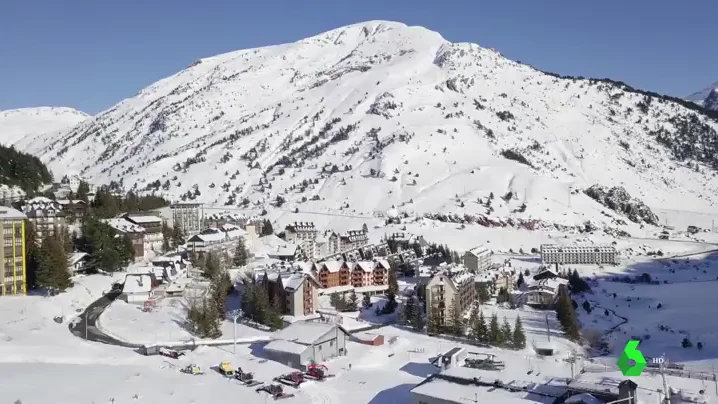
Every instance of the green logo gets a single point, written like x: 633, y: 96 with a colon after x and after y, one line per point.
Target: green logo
x: 631, y: 353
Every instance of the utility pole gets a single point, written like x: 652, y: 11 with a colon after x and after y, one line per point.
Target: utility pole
x: 548, y: 330
x: 87, y: 313
x: 235, y: 314
x: 661, y: 367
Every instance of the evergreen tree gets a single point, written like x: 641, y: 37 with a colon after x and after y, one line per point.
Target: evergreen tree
x: 240, y: 254
x: 519, y: 337
x: 433, y: 325
x: 417, y: 315
x: 249, y: 300
x: 267, y: 229
x: 520, y: 281
x: 31, y: 255
x: 177, y: 237
x: 106, y: 251
x: 407, y: 315
x: 211, y: 266
x: 393, y: 284
x: 566, y: 315
x: 391, y: 304
x: 52, y: 270
x: 366, y: 301
x: 506, y: 332
x: 82, y: 190
x: 166, y: 237
x: 219, y: 288
x: 473, y: 323
x: 483, y: 292
x: 457, y: 320
x: 480, y: 330
x: 495, y: 337
x: 352, y: 305
x: 262, y: 307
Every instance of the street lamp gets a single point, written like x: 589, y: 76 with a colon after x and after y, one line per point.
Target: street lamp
x: 235, y: 314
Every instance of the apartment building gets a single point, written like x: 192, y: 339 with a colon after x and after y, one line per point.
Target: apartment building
x: 188, y: 216
x: 12, y: 256
x: 75, y: 208
x: 304, y: 234
x: 153, y: 229
x: 332, y: 243
x: 297, y: 292
x: 477, y: 259
x: 223, y: 237
x: 134, y: 232
x: 331, y: 274
x: 449, y: 288
x: 578, y: 254
x: 45, y: 215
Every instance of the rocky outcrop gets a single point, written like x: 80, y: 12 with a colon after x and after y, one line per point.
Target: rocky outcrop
x: 618, y: 200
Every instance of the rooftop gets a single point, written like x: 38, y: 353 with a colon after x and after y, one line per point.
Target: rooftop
x: 10, y: 213
x: 305, y: 333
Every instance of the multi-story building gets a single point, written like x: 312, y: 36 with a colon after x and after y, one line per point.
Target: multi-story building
x: 450, y: 289
x: 304, y: 234
x: 333, y: 273
x: 296, y: 291
x: 45, y: 215
x: 477, y: 259
x: 188, y: 216
x: 362, y: 274
x: 578, y: 254
x: 134, y: 232
x: 332, y: 243
x: 153, y: 229
x: 12, y: 256
x: 74, y: 208
x: 223, y: 237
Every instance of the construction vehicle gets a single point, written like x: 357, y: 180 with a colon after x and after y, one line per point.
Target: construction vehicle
x: 192, y: 370
x: 225, y: 369
x: 294, y: 379
x: 483, y: 361
x: 317, y: 371
x: 274, y: 390
x: 246, y: 378
x: 171, y: 353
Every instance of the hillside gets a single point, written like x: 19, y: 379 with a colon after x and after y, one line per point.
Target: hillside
x: 379, y: 118
x: 22, y: 170
x: 708, y: 97
x: 26, y: 128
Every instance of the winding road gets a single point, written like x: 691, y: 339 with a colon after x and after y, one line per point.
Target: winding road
x: 85, y: 326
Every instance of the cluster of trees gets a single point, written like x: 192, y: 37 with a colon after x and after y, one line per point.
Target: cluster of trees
x: 412, y: 315
x: 263, y: 303
x: 172, y: 237
x: 240, y: 253
x: 267, y: 229
x: 206, y: 313
x: 22, y: 170
x: 106, y: 251
x: 476, y: 328
x: 46, y: 259
x: 449, y: 255
x: 106, y: 204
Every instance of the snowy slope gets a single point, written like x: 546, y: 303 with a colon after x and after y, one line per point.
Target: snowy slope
x: 708, y: 97
x: 428, y: 118
x: 28, y: 128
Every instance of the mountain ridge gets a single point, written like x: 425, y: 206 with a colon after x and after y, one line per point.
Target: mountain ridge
x: 380, y: 117
x: 707, y: 98
x: 24, y: 127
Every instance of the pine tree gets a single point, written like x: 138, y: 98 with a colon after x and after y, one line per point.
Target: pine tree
x: 249, y: 300
x: 457, y: 320
x: 240, y: 254
x: 520, y: 281
x: 31, y: 255
x: 261, y: 307
x: 177, y: 236
x: 481, y: 330
x: 166, y: 237
x: 417, y: 316
x: 495, y: 337
x: 267, y: 229
x: 483, y: 292
x: 407, y: 315
x: 52, y: 264
x: 211, y: 265
x: 352, y: 305
x: 473, y: 323
x: 366, y: 301
x: 219, y: 287
x: 567, y: 316
x: 433, y: 326
x: 519, y: 337
x: 506, y: 332
x: 393, y: 284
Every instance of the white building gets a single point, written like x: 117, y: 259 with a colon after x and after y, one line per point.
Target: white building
x: 544, y: 292
x: 578, y: 254
x: 137, y: 288
x: 304, y: 234
x: 188, y: 216
x: 215, y: 238
x: 153, y: 230
x: 477, y: 259
x: 453, y: 287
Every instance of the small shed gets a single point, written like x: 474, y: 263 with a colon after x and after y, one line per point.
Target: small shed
x: 78, y: 262
x: 368, y: 338
x: 450, y: 359
x: 302, y: 343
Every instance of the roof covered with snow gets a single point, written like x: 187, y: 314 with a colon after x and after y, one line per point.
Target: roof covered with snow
x: 123, y: 225
x: 137, y: 283
x: 286, y: 346
x: 10, y: 213
x: 143, y: 219
x: 306, y: 333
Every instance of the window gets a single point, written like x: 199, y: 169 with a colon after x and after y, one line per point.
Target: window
x: 331, y: 343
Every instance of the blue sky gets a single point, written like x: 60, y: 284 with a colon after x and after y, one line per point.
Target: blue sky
x: 90, y: 54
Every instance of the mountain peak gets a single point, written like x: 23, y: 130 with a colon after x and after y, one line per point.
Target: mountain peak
x: 22, y: 125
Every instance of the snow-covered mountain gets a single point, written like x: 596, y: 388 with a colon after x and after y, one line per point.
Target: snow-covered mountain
x: 26, y: 128
x: 379, y: 116
x: 708, y: 97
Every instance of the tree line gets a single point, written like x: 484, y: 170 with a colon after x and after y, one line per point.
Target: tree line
x: 22, y: 170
